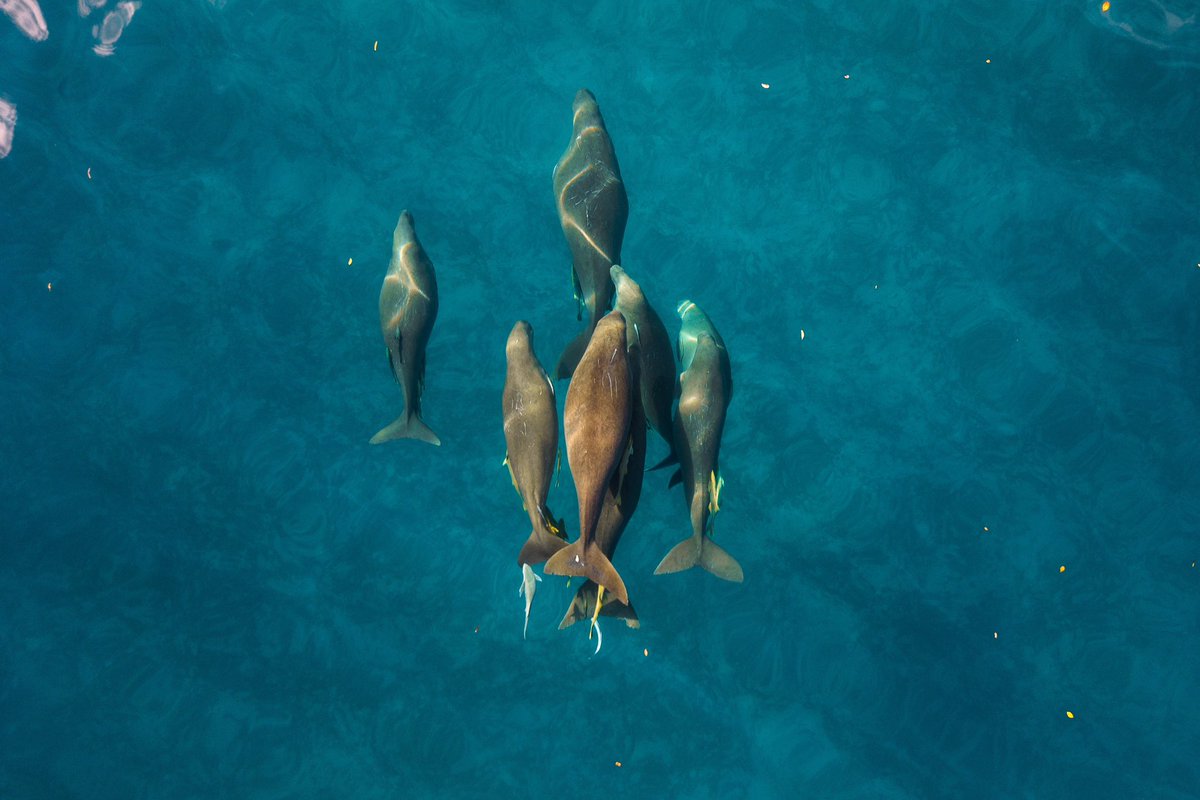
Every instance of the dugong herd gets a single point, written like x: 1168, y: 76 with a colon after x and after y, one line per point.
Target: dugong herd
x: 624, y: 380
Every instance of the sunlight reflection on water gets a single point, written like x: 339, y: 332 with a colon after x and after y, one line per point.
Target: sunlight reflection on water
x: 110, y: 29
x: 1155, y: 25
x: 8, y: 123
x: 27, y: 15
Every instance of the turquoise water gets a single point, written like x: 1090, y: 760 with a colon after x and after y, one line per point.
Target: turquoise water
x: 958, y: 287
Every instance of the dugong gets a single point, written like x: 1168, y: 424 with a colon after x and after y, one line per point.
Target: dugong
x: 408, y: 306
x: 596, y: 423
x: 659, y: 384
x: 706, y: 387
x: 531, y: 435
x: 593, y: 209
x: 616, y: 512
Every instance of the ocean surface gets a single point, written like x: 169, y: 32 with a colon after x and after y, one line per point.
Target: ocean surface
x: 953, y: 248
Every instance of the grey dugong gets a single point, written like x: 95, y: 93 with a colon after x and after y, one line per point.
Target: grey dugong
x: 593, y: 209
x: 706, y: 387
x: 531, y: 439
x: 408, y: 306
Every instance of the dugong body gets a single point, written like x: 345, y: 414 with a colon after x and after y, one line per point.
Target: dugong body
x: 596, y: 424
x: 593, y: 209
x: 408, y: 306
x: 531, y: 435
x: 706, y: 387
x: 620, y: 501
x: 658, y: 381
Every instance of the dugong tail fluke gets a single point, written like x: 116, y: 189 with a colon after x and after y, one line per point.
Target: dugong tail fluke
x: 407, y: 426
x: 591, y: 564
x: 583, y: 608
x: 699, y: 549
x: 543, y: 541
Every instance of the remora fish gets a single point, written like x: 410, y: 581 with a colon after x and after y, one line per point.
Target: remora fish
x: 620, y: 501
x: 529, y: 582
x: 408, y: 306
x: 593, y: 209
x: 706, y: 388
x: 531, y: 435
x: 596, y: 424
x: 659, y: 384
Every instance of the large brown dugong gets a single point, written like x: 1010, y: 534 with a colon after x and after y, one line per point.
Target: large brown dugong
x: 620, y: 501
x: 531, y: 435
x: 706, y: 388
x: 596, y: 424
x: 593, y: 208
x: 658, y: 382
x: 408, y: 305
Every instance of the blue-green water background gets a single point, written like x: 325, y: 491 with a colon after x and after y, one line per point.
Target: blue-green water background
x: 211, y: 586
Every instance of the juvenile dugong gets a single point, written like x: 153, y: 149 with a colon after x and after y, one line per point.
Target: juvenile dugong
x: 408, y: 306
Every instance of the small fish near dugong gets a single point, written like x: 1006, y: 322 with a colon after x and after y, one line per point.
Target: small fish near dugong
x: 529, y: 582
x: 531, y: 436
x: 593, y: 209
x: 408, y: 306
x: 596, y: 423
x: 706, y: 387
x: 620, y: 501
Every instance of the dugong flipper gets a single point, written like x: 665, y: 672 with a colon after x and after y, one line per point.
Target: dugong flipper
x: 593, y: 209
x: 706, y: 387
x: 408, y: 306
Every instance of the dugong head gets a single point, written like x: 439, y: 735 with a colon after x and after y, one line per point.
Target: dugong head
x: 520, y: 338
x: 586, y: 111
x: 693, y: 323
x: 629, y: 294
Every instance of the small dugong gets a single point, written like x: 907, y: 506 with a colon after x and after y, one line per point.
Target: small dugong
x: 593, y: 209
x: 596, y: 423
x: 706, y: 387
x: 531, y: 436
x: 408, y: 306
